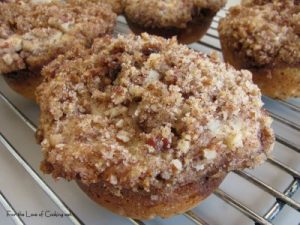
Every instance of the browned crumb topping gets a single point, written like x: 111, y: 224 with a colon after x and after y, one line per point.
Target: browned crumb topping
x: 168, y: 13
x: 115, y: 4
x: 141, y: 112
x: 255, y: 2
x: 32, y: 34
x: 265, y: 32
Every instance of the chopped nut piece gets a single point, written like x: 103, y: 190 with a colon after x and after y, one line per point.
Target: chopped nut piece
x: 234, y: 140
x: 214, y: 126
x: 123, y: 136
x: 150, y: 149
x: 136, y: 91
x: 119, y: 95
x: 177, y: 164
x: 56, y: 139
x: 7, y: 59
x: 183, y: 145
x: 199, y: 167
x: 66, y: 26
x: 120, y: 123
x: 116, y: 111
x: 15, y: 42
x: 152, y: 77
x: 61, y: 146
x: 113, y: 180
x: 210, y: 154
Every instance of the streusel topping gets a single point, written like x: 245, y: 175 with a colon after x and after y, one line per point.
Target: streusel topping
x: 115, y: 4
x: 141, y: 112
x: 168, y: 13
x: 265, y: 32
x: 255, y: 2
x: 32, y: 34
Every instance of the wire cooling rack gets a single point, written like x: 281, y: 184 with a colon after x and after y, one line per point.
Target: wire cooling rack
x: 267, y: 195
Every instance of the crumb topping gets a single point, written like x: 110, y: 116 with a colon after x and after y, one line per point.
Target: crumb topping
x: 141, y: 111
x: 168, y: 13
x: 32, y: 34
x: 264, y: 32
x: 255, y: 2
x: 116, y: 5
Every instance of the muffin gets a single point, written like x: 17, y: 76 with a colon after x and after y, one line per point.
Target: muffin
x: 149, y: 127
x: 32, y: 34
x: 264, y: 37
x: 188, y: 20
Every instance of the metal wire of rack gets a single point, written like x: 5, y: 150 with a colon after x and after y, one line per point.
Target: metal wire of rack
x: 282, y: 198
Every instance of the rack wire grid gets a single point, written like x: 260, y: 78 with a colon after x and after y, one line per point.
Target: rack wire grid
x: 266, y: 195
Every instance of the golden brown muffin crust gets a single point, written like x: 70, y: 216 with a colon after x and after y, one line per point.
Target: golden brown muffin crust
x: 168, y: 13
x: 147, y: 205
x: 32, y: 34
x: 24, y: 82
x: 142, y: 112
x: 264, y: 33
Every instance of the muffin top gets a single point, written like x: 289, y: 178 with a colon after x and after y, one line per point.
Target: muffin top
x: 168, y: 13
x: 264, y: 32
x: 143, y: 112
x: 32, y: 33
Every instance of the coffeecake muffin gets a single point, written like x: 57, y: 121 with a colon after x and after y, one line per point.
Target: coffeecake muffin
x: 264, y: 37
x: 32, y: 33
x: 187, y: 19
x: 149, y: 127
